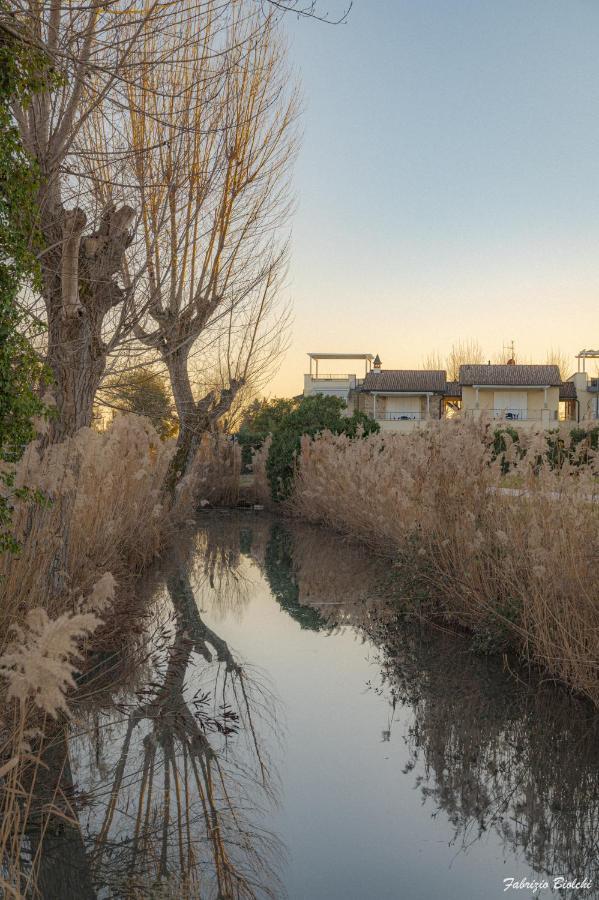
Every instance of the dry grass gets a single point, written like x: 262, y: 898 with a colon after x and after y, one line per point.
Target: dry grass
x: 261, y: 486
x: 217, y: 470
x: 38, y: 667
x: 104, y: 513
x: 518, y: 572
x: 105, y: 517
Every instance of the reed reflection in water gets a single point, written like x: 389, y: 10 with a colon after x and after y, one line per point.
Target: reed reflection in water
x: 171, y: 774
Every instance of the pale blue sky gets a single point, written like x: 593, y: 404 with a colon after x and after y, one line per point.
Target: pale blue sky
x: 448, y: 180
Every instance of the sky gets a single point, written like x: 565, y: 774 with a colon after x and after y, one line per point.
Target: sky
x: 447, y: 184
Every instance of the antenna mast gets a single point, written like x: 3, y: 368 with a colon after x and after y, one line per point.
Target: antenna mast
x: 511, y: 348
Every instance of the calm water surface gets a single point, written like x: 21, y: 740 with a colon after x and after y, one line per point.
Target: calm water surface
x: 275, y: 729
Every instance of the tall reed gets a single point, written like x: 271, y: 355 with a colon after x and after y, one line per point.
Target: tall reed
x: 518, y: 568
x: 104, y: 516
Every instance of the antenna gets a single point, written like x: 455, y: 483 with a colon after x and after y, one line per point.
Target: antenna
x: 511, y: 349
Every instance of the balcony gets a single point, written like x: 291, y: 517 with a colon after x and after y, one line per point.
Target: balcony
x: 399, y: 416
x: 331, y: 376
x: 514, y: 414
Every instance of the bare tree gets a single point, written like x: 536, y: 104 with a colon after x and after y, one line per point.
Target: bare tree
x: 433, y: 360
x: 461, y: 353
x: 92, y: 285
x: 212, y: 162
x: 557, y: 357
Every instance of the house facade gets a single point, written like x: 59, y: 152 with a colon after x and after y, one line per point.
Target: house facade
x: 525, y: 394
x: 402, y: 400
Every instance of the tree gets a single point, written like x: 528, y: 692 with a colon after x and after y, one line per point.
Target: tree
x: 461, y: 353
x: 92, y: 282
x: 212, y: 161
x: 311, y: 416
x: 557, y: 357
x: 145, y: 393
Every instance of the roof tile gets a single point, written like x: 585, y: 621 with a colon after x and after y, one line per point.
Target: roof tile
x: 517, y: 376
x: 406, y: 380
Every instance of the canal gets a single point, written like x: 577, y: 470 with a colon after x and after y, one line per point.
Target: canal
x: 278, y: 726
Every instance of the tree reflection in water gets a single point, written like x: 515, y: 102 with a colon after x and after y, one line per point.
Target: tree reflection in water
x: 176, y: 782
x: 176, y: 774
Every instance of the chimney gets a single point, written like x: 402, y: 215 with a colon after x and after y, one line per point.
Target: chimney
x: 511, y: 362
x: 376, y: 365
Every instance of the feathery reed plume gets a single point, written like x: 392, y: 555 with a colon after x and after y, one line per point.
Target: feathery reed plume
x: 503, y: 543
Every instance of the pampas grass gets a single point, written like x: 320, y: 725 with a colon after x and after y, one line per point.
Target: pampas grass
x: 260, y: 484
x: 216, y: 470
x: 103, y: 518
x: 38, y: 668
x: 519, y: 569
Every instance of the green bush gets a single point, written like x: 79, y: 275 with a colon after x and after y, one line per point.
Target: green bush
x: 312, y: 415
x: 262, y: 418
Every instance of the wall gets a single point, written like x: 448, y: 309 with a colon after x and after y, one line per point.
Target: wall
x: 338, y: 387
x: 535, y: 402
x: 586, y: 399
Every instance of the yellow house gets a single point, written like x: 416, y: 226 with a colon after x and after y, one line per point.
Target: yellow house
x: 524, y: 394
x: 401, y: 399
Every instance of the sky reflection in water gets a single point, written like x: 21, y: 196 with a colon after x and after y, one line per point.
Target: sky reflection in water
x: 280, y: 733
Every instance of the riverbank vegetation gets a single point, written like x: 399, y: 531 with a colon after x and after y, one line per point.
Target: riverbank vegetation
x: 146, y: 155
x: 517, y: 569
x: 275, y: 451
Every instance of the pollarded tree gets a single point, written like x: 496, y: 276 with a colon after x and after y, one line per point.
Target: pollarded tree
x: 88, y: 209
x: 212, y: 163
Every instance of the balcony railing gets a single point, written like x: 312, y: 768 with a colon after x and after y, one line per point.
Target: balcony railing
x: 400, y: 416
x: 513, y: 414
x: 330, y: 377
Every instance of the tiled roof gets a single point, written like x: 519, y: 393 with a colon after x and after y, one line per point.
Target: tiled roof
x: 453, y: 389
x: 516, y: 376
x: 567, y: 390
x: 412, y: 380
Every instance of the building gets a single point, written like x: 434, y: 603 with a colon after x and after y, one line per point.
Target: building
x: 336, y: 384
x: 404, y: 399
x: 526, y: 394
x: 584, y: 404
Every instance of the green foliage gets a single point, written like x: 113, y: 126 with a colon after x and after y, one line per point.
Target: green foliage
x: 278, y: 568
x: 500, y: 445
x: 260, y: 420
x: 582, y: 443
x: 145, y: 393
x: 311, y: 416
x: 23, y: 71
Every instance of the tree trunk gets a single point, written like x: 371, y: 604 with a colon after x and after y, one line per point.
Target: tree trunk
x: 187, y: 440
x: 195, y: 417
x: 77, y: 364
x: 79, y: 289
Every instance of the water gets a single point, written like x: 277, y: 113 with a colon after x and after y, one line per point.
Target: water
x: 276, y: 729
